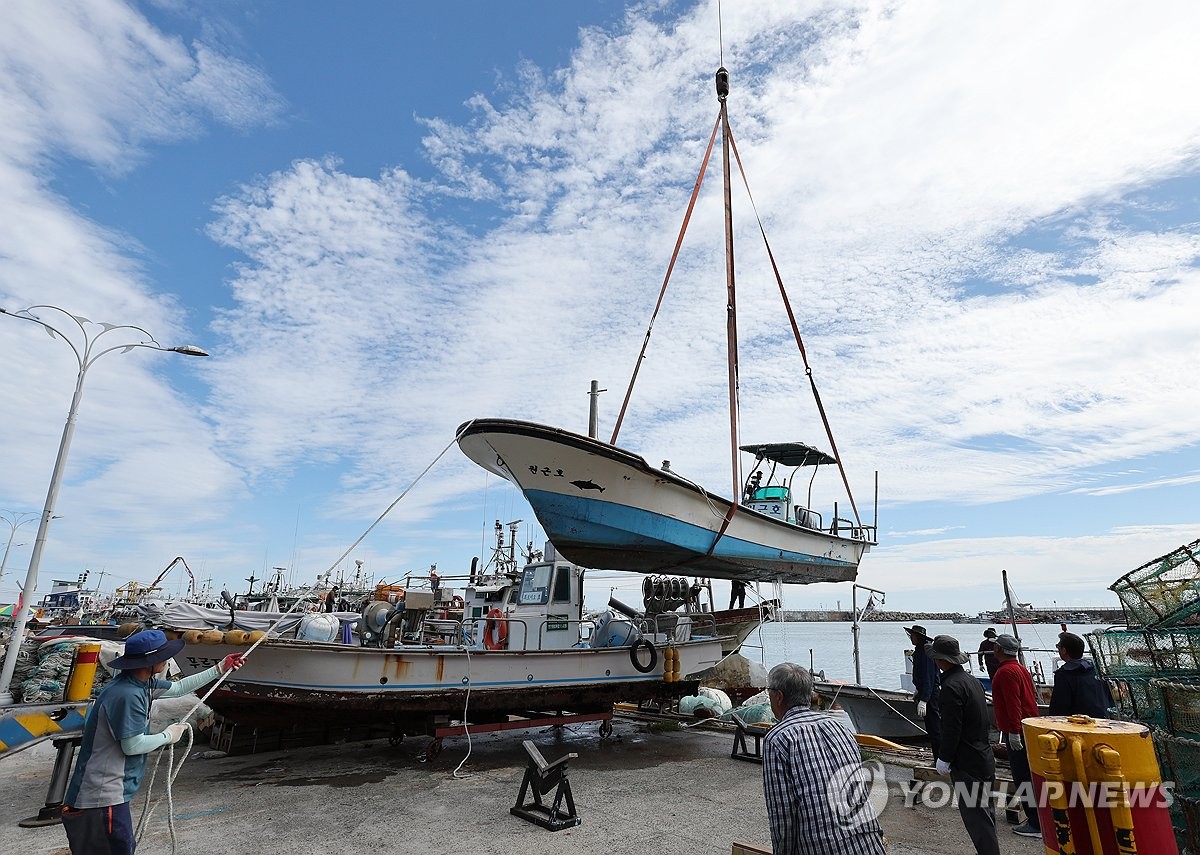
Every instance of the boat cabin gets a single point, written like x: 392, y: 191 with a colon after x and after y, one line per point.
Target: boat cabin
x: 541, y: 604
x: 773, y: 495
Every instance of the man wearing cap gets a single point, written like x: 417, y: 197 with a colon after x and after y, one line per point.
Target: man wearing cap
x: 1013, y: 700
x: 925, y: 683
x: 117, y: 738
x: 966, y: 753
x: 987, y: 653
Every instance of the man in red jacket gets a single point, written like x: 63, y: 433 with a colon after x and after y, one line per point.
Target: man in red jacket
x: 1013, y: 700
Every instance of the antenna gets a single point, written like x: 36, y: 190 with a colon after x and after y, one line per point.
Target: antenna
x: 720, y: 33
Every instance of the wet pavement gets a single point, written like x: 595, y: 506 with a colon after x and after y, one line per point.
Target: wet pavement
x: 644, y: 790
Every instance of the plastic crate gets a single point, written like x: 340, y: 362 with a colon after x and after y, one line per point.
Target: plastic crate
x: 1164, y: 592
x: 1181, y: 706
x: 1122, y: 653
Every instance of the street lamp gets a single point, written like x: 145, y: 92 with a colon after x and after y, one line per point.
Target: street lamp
x: 92, y: 349
x: 15, y: 520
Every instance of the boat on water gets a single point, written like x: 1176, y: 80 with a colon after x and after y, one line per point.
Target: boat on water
x: 606, y: 507
x: 513, y: 641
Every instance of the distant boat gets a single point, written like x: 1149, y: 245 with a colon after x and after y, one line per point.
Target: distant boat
x: 605, y: 507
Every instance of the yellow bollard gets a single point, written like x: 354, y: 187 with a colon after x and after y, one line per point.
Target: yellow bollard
x: 1101, y: 792
x: 83, y: 672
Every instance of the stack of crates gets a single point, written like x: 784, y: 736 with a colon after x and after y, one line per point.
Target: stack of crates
x: 1152, y: 666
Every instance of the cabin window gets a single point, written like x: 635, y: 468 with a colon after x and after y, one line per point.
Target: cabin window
x: 535, y: 585
x: 562, y: 585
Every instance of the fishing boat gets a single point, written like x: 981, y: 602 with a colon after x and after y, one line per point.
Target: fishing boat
x: 514, y: 640
x: 606, y: 507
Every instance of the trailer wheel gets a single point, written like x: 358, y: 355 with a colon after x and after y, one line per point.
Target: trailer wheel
x: 606, y: 728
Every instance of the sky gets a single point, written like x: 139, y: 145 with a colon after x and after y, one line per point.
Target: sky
x: 384, y: 219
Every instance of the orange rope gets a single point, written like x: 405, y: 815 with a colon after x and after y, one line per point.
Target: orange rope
x: 662, y: 291
x: 796, y: 331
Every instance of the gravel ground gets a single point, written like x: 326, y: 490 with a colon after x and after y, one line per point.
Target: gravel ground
x: 641, y: 791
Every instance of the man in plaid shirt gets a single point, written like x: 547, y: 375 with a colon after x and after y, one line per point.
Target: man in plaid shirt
x: 802, y: 755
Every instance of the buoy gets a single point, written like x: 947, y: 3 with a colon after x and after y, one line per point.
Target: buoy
x: 254, y: 636
x: 212, y: 636
x: 192, y: 636
x: 236, y: 636
x: 127, y: 629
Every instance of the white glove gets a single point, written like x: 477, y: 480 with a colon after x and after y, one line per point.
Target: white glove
x: 175, y: 732
x: 921, y: 707
x: 1015, y: 741
x: 943, y: 768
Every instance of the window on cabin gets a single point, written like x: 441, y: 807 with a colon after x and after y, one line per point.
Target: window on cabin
x: 562, y: 585
x: 535, y: 585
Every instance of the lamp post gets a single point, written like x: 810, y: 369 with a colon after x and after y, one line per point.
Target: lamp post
x: 93, y: 346
x: 15, y: 520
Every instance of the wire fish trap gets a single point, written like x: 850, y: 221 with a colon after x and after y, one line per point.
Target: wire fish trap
x: 1185, y: 817
x: 1122, y: 653
x: 1179, y: 761
x: 1175, y: 651
x: 1164, y: 592
x: 1181, y: 706
x: 1136, y: 700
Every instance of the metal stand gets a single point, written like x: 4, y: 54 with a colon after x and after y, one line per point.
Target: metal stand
x: 540, y: 778
x: 747, y: 741
x: 51, y: 814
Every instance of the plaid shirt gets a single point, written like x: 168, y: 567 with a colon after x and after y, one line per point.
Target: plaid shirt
x: 801, y: 755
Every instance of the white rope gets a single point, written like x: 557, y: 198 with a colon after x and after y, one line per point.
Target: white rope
x: 175, y: 770
x: 466, y: 725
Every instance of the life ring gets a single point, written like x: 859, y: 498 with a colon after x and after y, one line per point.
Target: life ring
x: 633, y: 655
x: 495, y: 631
x: 457, y: 602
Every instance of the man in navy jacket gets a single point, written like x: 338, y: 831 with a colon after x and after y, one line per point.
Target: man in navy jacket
x: 926, y: 683
x: 1077, y: 688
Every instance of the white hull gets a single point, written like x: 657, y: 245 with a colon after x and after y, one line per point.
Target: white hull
x: 606, y: 508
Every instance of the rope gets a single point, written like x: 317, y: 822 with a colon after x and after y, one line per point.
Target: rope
x: 466, y: 726
x: 897, y: 712
x: 175, y: 770
x: 663, y: 290
x: 787, y: 305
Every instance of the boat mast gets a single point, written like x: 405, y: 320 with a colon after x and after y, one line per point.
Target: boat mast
x: 1012, y: 617
x: 722, y: 81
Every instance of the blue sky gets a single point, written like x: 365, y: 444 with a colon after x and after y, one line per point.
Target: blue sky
x: 384, y: 219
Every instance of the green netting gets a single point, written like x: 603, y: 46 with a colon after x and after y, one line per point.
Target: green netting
x: 1181, y: 706
x: 1185, y: 817
x: 1179, y: 760
x: 1122, y: 653
x: 1163, y: 592
x: 1175, y: 651
x: 1136, y: 700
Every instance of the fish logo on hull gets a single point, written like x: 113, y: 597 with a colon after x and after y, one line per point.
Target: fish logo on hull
x: 588, y: 485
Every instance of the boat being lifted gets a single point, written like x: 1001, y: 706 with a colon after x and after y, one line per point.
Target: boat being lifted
x: 606, y: 508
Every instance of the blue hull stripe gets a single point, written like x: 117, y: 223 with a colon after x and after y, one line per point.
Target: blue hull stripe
x: 582, y: 519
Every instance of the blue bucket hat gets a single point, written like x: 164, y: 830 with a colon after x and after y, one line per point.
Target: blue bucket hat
x: 146, y: 648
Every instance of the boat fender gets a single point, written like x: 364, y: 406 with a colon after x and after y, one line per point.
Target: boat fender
x: 495, y: 631
x: 633, y: 655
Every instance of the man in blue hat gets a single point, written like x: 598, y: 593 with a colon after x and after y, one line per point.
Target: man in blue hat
x: 117, y: 738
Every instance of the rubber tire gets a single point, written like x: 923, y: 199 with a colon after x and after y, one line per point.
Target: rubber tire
x: 633, y: 656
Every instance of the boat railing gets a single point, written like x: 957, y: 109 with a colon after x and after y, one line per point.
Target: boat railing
x: 668, y: 623
x: 565, y: 624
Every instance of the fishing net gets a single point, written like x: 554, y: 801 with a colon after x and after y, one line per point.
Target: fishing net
x: 1136, y: 700
x: 1164, y: 592
x: 1181, y: 706
x: 1179, y: 761
x: 1121, y: 653
x: 752, y: 714
x: 1175, y: 651
x: 47, y: 681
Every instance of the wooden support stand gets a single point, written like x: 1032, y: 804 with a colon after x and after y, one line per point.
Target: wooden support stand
x: 540, y: 778
x: 747, y: 741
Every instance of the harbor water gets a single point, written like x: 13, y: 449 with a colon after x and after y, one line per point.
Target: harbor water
x: 882, y: 645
